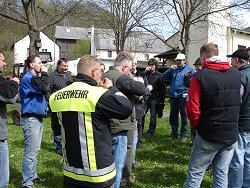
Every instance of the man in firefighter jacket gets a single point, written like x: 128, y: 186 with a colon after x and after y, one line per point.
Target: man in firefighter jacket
x: 84, y: 110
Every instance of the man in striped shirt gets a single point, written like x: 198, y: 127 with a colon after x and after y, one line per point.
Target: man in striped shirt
x: 59, y: 79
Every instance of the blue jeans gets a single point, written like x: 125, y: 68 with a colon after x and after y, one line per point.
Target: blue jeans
x: 119, y: 144
x: 178, y: 105
x: 57, y: 142
x: 32, y: 129
x: 239, y: 168
x: 203, y: 153
x: 4, y: 164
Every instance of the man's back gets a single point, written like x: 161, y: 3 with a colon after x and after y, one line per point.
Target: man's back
x: 219, y: 104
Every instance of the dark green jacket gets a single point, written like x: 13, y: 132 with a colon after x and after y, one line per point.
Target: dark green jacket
x: 244, y: 118
x: 128, y: 87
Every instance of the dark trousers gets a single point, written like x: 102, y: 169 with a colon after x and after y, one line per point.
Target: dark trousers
x: 56, y: 128
x: 139, y: 129
x: 71, y: 185
x: 178, y: 105
x: 152, y: 105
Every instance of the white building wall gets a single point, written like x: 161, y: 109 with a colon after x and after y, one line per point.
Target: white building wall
x: 198, y: 36
x: 238, y: 38
x: 21, y: 48
x: 109, y: 61
x: 217, y: 32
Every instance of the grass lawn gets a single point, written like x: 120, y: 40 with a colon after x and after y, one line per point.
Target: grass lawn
x: 164, y: 162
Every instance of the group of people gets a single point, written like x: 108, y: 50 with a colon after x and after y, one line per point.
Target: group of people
x: 100, y: 116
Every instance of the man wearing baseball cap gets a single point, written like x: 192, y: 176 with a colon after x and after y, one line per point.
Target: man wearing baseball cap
x: 240, y: 54
x: 177, y: 96
x: 239, y: 168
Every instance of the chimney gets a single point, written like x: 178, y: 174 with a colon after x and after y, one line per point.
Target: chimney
x: 92, y: 41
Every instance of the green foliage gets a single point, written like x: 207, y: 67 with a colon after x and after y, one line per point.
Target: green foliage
x: 82, y: 47
x: 8, y: 69
x: 163, y: 162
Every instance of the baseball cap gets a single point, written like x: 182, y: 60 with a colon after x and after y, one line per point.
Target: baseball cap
x: 240, y: 53
x: 197, y: 62
x: 180, y: 57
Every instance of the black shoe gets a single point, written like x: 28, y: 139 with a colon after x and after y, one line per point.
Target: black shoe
x: 129, y: 181
x: 149, y: 134
x: 39, y: 179
x: 183, y: 139
x: 59, y: 152
x: 29, y: 186
x: 138, y: 144
x: 136, y: 165
x: 210, y: 167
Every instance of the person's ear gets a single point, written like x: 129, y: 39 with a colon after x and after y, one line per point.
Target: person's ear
x: 31, y: 65
x: 93, y: 74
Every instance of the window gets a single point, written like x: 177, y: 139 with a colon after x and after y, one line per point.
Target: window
x: 109, y: 53
x: 146, y: 57
x: 149, y: 44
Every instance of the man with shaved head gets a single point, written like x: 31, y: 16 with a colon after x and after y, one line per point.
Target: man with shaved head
x: 84, y: 109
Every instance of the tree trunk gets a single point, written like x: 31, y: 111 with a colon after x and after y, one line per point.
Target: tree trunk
x: 35, y: 42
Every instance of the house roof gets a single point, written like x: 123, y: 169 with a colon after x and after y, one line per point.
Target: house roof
x: 177, y: 33
x: 63, y: 32
x: 105, y: 39
x: 245, y: 31
x: 168, y: 54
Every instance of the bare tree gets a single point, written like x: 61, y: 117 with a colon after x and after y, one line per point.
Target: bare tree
x: 183, y: 14
x: 37, y: 15
x: 123, y: 13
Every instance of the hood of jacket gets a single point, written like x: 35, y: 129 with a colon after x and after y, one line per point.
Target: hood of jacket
x: 216, y: 63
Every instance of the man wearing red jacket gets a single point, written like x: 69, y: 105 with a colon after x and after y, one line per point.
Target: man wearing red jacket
x: 213, y: 109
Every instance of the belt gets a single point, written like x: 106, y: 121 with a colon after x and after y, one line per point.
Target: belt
x: 32, y: 115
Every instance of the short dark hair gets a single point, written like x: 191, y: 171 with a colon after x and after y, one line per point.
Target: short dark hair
x: 153, y: 61
x: 62, y: 59
x: 29, y: 60
x: 1, y: 52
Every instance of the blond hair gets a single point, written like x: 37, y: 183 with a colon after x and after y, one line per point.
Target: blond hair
x: 209, y: 49
x: 87, y: 64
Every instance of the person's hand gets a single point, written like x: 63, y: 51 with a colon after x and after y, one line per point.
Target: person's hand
x: 150, y: 87
x: 106, y: 83
x: 188, y: 74
x: 173, y: 67
x: 148, y: 68
x: 44, y: 68
x: 15, y: 79
x: 139, y: 79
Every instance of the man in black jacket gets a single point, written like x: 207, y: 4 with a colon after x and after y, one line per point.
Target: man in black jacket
x: 157, y: 95
x: 59, y: 79
x: 84, y: 110
x: 123, y: 130
x: 8, y: 94
x: 213, y: 106
x: 239, y: 168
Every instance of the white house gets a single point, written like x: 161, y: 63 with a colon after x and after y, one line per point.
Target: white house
x: 21, y: 48
x: 143, y: 46
x: 217, y: 29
